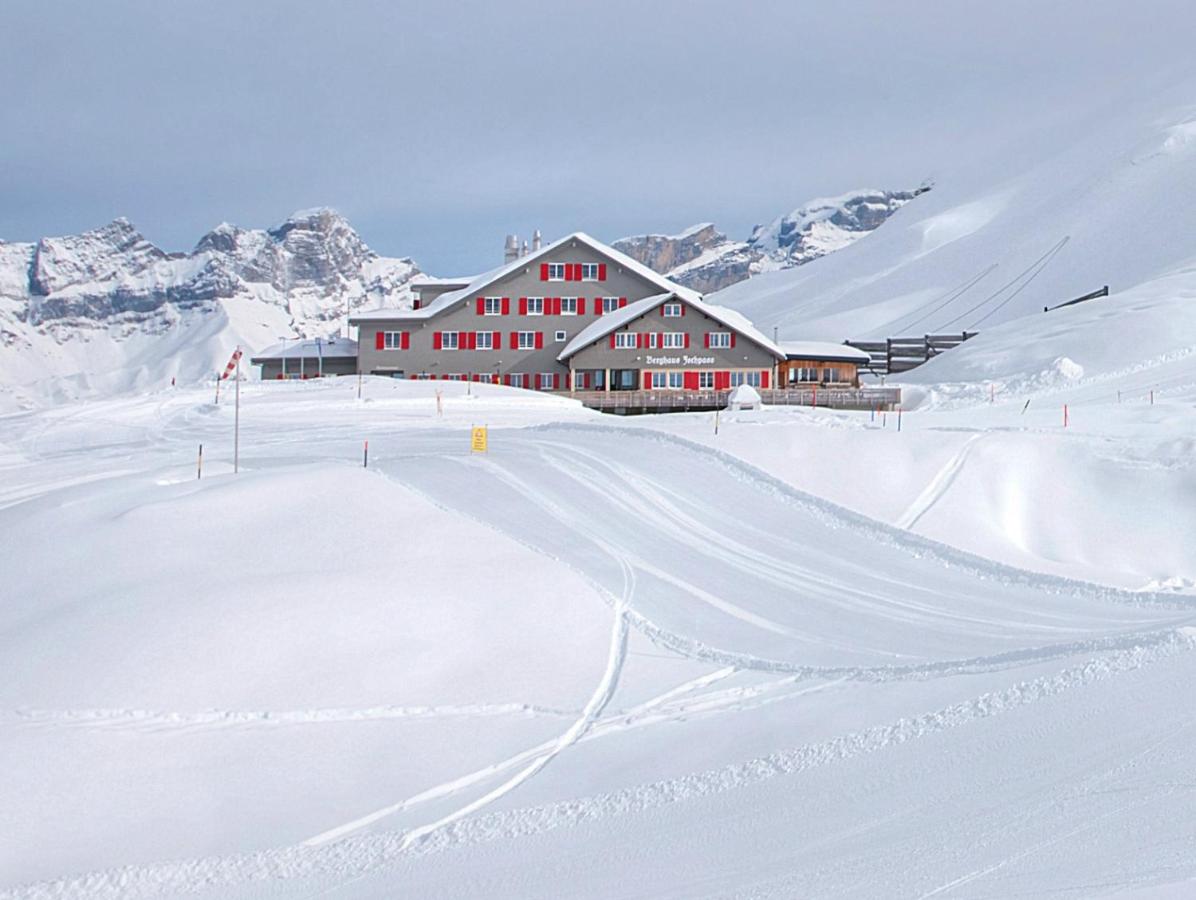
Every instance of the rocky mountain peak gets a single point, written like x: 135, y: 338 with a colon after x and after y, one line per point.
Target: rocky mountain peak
x: 704, y: 259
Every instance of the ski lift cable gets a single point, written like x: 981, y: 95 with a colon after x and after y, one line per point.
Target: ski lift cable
x: 1003, y: 288
x: 951, y: 296
x: 1026, y: 284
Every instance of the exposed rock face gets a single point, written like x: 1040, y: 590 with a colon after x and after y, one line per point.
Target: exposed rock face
x: 314, y: 265
x: 704, y: 259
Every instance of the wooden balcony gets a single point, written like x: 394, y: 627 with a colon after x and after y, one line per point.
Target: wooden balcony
x: 634, y: 402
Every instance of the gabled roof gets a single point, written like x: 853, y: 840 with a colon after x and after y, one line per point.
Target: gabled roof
x: 613, y: 321
x: 479, y: 284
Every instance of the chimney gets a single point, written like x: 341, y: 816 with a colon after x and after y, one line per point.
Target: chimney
x: 536, y: 241
x: 511, y: 250
x: 524, y: 253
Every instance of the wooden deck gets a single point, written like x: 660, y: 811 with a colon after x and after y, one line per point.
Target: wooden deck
x: 635, y: 402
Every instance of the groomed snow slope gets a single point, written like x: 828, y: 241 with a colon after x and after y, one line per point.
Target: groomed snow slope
x: 1095, y: 201
x: 553, y: 669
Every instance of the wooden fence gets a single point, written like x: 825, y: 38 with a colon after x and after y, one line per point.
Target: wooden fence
x: 900, y: 354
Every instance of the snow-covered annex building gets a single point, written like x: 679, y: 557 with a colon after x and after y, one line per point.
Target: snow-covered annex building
x: 577, y: 315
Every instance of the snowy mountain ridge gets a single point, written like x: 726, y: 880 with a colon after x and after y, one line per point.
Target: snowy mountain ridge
x: 703, y: 258
x: 98, y: 307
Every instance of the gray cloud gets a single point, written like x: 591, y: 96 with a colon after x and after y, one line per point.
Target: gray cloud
x: 438, y: 127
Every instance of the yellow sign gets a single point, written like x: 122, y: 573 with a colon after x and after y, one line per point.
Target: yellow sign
x: 478, y: 441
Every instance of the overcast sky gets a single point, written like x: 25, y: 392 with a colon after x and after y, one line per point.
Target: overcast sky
x: 436, y: 128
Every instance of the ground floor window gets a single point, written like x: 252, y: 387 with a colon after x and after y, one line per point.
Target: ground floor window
x: 516, y: 380
x: 749, y: 378
x: 547, y: 381
x: 660, y: 380
x: 705, y: 380
x: 454, y: 376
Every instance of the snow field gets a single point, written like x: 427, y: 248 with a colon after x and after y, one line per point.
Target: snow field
x: 489, y: 672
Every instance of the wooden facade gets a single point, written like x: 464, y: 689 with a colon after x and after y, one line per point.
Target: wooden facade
x: 807, y: 371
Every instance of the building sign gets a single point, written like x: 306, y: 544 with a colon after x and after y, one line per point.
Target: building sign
x: 680, y: 360
x: 477, y: 442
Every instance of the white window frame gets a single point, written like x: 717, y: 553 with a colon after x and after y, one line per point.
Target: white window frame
x: 485, y: 340
x: 517, y: 379
x: 676, y: 380
x: 673, y: 340
x: 455, y: 376
x: 560, y: 336
x: 736, y: 379
x: 672, y: 311
x: 660, y: 381
x: 556, y: 271
x: 535, y: 306
x: 392, y: 340
x: 589, y: 271
x: 705, y: 381
x: 568, y: 306
x: 609, y: 304
x: 546, y: 380
x: 753, y: 379
x: 720, y: 340
x: 526, y: 340
x: 625, y: 340
x: 492, y: 306
x: 450, y: 340
x: 652, y: 340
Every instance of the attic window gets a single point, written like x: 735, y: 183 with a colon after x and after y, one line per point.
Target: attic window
x: 556, y: 271
x: 589, y: 271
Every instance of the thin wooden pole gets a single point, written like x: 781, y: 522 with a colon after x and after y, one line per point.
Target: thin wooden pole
x: 237, y: 418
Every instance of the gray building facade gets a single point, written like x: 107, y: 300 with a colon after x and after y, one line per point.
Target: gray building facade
x: 573, y: 315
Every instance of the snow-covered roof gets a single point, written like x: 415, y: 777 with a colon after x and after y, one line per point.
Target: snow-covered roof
x: 615, y: 320
x: 823, y: 350
x: 481, y: 282
x: 420, y: 280
x: 308, y: 348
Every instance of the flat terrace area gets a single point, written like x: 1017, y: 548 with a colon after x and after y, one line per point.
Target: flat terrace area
x: 634, y: 402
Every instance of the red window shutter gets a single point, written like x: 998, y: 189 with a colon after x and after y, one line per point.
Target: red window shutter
x: 707, y: 338
x: 506, y: 306
x: 543, y: 271
x: 523, y: 306
x: 413, y: 376
x: 539, y: 340
x: 690, y: 380
x: 556, y: 381
x: 622, y: 302
x: 473, y: 340
x: 597, y: 306
x: 496, y: 340
x: 405, y: 341
x: 687, y: 340
x: 581, y: 306
x: 506, y: 379
x: 647, y: 381
x: 379, y: 341
x: 585, y: 380
x: 481, y: 306
x: 764, y: 379
x: 602, y: 271
x: 556, y: 307
x: 732, y: 340
x: 612, y: 340
x: 682, y: 310
x: 514, y: 340
x: 722, y: 381
x: 435, y: 340
x: 575, y: 271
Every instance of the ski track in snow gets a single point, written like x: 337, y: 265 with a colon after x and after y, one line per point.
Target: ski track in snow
x: 938, y: 485
x: 356, y: 856
x: 159, y: 720
x: 343, y: 853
